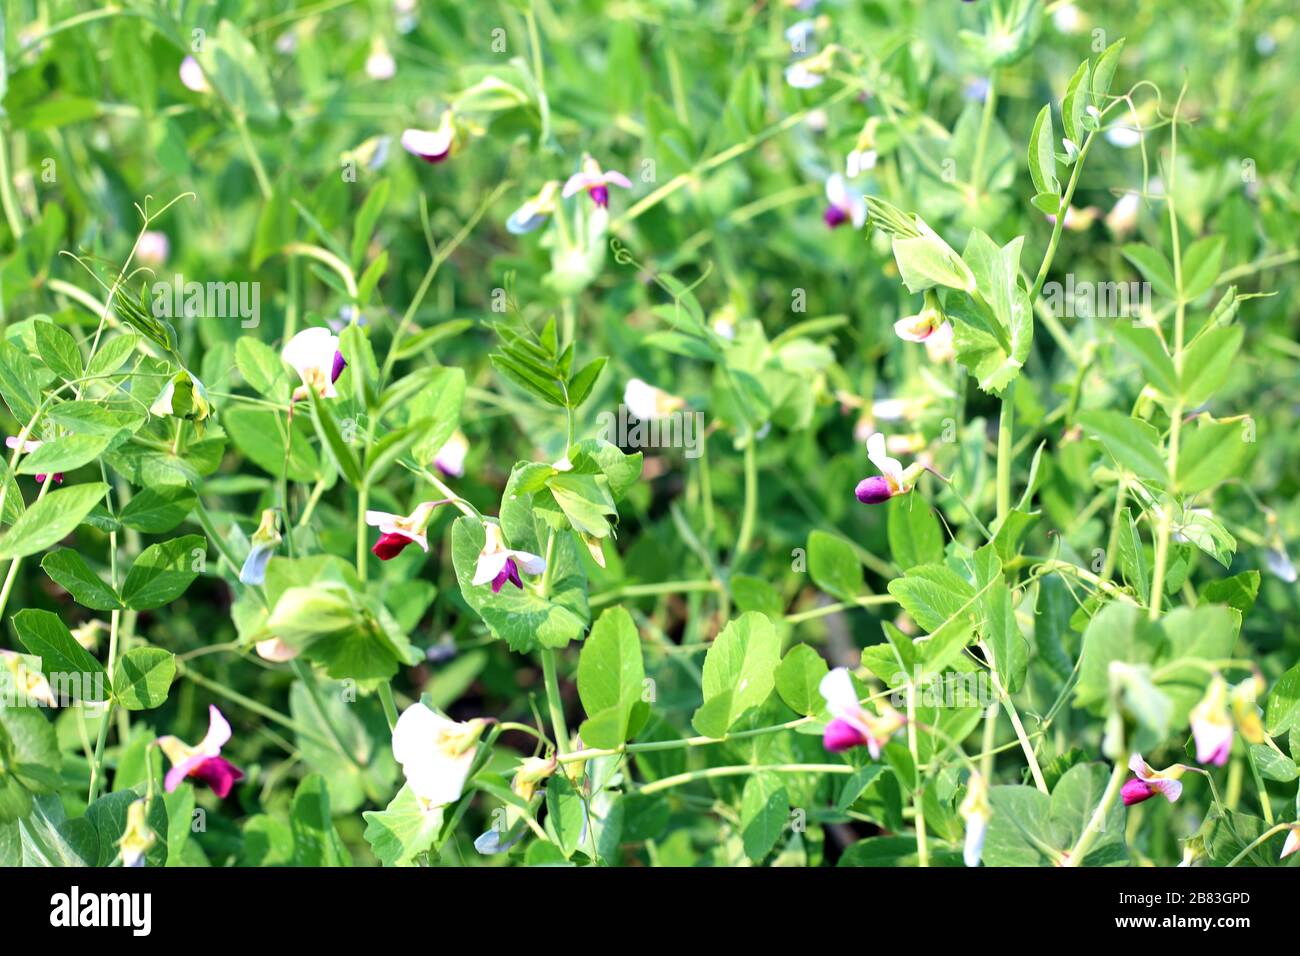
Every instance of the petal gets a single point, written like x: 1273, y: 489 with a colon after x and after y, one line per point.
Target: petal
x: 839, y: 693
x: 528, y: 563
x: 432, y: 146
x: 416, y: 732
x: 275, y: 650
x: 311, y: 349
x: 1171, y: 790
x: 1135, y: 791
x: 914, y: 328
x: 219, y: 774
x: 617, y: 178
x: 390, y: 545
x: 489, y: 566
x: 177, y: 774
x: 340, y: 363
x: 836, y: 192
x: 1213, y: 741
x: 874, y: 490
x: 834, y: 216
x: 1292, y: 843
x: 840, y: 735
x: 254, y: 569
x: 1140, y: 767
x: 218, y: 734
x: 975, y: 828
x: 384, y: 520
x: 576, y: 184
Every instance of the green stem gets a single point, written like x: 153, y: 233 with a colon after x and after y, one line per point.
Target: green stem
x: 1259, y: 841
x: 751, y: 502
x: 710, y: 773
x: 918, y: 798
x: 390, y: 705
x: 1009, y: 706
x: 97, y: 770
x: 1006, y: 427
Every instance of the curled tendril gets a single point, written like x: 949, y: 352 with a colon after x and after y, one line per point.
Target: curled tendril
x: 621, y: 253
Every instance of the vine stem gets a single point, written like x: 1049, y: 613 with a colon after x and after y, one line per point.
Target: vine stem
x: 1259, y: 841
x: 1090, y: 832
x: 97, y: 770
x: 710, y: 773
x: 918, y: 800
x: 1006, y: 426
x: 751, y: 502
x: 1009, y: 706
x: 554, y: 702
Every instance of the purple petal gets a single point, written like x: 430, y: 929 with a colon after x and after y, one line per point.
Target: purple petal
x: 1135, y: 791
x: 874, y: 490
x: 219, y: 774
x: 389, y: 546
x: 508, y: 573
x: 340, y: 363
x: 835, y: 216
x: 840, y: 735
x: 600, y: 196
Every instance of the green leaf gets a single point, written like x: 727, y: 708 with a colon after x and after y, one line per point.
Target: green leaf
x: 143, y: 676
x: 158, y: 510
x: 58, y: 350
x: 315, y: 841
x: 1074, y: 104
x: 1206, y: 363
x: 1282, y: 707
x: 260, y: 435
x: 322, y: 413
x: 68, y: 453
x: 50, y: 520
x: 1211, y: 453
x: 931, y: 594
x: 1104, y: 72
x: 764, y: 812
x: 1201, y: 264
x: 523, y: 618
x: 1042, y: 161
x: 834, y: 566
x: 1144, y: 344
x: 112, y: 354
x: 162, y: 572
x: 1132, y: 558
x: 739, y: 673
x: 611, y: 678
x: 914, y: 533
x: 1030, y: 829
x: 369, y: 214
x: 261, y: 368
x: 440, y: 403
x: 69, y: 570
x: 1154, y: 267
x: 404, y: 830
x: 565, y: 815
x: 67, y: 665
x: 798, y: 679
x: 1132, y: 443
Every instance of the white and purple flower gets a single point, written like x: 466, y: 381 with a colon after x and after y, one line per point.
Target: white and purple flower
x: 595, y: 181
x: 498, y: 564
x: 893, y: 478
x: 1212, y: 724
x: 397, y: 531
x: 851, y: 724
x: 432, y: 146
x: 1150, y: 782
x: 535, y: 210
x: 647, y: 402
x: 450, y: 459
x: 975, y: 811
x: 203, y: 761
x: 843, y: 205
x: 29, y: 446
x: 192, y: 76
x: 314, y: 354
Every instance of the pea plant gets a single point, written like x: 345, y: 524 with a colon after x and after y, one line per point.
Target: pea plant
x: 459, y: 435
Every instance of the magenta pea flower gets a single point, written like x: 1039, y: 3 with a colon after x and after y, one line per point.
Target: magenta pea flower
x: 595, y: 181
x: 29, y: 446
x: 1150, y: 782
x: 204, y: 761
x: 397, y: 531
x: 432, y: 146
x: 851, y: 724
x: 893, y: 478
x: 843, y: 205
x: 499, y: 564
x: 1212, y: 727
x: 314, y: 354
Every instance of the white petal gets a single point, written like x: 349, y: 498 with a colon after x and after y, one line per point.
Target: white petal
x: 192, y: 75
x: 836, y: 192
x: 382, y: 520
x: 578, y: 182
x: 425, y: 142
x: 489, y: 566
x: 527, y: 562
x: 218, y: 733
x: 1139, y: 767
x: 311, y: 349
x: 641, y: 399
x: 841, y: 697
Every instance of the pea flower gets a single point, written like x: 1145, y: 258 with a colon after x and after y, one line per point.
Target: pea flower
x: 29, y: 446
x: 595, y: 181
x: 535, y: 210
x: 380, y: 64
x: 938, y: 344
x: 137, y: 839
x: 919, y: 327
x: 975, y: 811
x: 27, y: 684
x: 314, y: 354
x: 842, y: 205
x: 153, y: 248
x: 852, y: 725
x: 192, y: 76
x: 182, y: 397
x: 647, y: 402
x: 499, y: 564
x: 450, y: 459
x: 1292, y: 842
x: 432, y: 146
x: 1123, y: 216
x: 397, y: 531
x: 810, y: 72
x: 203, y: 761
x: 531, y: 772
x: 1150, y: 782
x: 893, y: 478
x: 275, y: 650
x: 435, y: 753
x: 265, y: 538
x: 1245, y: 712
x: 863, y: 157
x: 1212, y: 724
